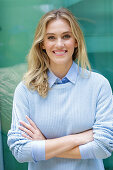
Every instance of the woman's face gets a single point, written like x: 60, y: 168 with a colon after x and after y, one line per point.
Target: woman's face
x: 59, y: 42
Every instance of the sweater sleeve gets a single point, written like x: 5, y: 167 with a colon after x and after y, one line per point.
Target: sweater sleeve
x: 102, y: 145
x: 22, y: 148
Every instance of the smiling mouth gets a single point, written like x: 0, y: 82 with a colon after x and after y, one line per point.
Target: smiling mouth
x: 60, y: 52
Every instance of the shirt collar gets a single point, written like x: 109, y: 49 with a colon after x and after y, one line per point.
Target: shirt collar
x: 71, y: 75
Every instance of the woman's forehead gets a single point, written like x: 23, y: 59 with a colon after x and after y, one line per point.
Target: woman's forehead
x: 58, y: 25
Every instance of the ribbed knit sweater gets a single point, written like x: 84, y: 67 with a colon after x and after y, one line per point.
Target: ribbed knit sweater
x: 68, y: 109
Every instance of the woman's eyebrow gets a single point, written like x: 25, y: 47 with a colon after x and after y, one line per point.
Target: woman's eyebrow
x: 50, y: 33
x: 69, y: 32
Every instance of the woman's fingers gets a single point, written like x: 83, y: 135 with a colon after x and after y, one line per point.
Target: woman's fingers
x: 27, y: 126
x: 25, y: 136
x: 31, y: 123
x: 26, y: 131
x: 31, y: 130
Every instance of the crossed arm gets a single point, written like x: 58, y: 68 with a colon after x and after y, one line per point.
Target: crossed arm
x: 63, y: 147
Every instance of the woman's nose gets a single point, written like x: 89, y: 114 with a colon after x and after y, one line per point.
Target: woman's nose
x: 59, y: 43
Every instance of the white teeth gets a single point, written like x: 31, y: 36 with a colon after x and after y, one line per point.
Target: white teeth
x: 61, y: 52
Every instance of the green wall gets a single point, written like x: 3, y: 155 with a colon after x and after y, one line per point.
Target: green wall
x: 18, y: 20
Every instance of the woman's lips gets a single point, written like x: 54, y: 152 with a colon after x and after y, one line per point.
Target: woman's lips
x: 59, y: 52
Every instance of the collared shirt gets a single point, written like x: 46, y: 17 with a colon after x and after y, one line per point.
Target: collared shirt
x: 71, y: 76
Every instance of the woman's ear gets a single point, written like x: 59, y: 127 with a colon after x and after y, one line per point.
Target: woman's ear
x: 76, y: 44
x: 43, y: 47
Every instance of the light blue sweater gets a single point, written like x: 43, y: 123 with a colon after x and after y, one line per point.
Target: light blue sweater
x: 78, y: 105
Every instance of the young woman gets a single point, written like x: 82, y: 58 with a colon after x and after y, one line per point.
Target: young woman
x: 64, y: 109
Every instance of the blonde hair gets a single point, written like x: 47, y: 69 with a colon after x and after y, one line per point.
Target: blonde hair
x: 38, y: 62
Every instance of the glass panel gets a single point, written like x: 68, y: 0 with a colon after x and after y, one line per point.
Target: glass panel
x: 1, y: 150
x: 96, y: 19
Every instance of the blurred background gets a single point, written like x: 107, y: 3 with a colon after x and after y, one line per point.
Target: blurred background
x: 18, y: 21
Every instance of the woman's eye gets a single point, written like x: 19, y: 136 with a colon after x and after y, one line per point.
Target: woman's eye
x: 66, y: 36
x: 51, y: 38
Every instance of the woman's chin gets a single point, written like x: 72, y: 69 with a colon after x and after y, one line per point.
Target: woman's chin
x: 62, y: 61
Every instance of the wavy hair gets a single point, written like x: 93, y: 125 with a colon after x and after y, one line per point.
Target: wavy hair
x: 38, y: 61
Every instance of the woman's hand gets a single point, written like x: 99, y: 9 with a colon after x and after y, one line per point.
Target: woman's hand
x: 31, y: 130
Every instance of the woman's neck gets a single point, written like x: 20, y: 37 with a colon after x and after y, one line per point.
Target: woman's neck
x: 60, y: 70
